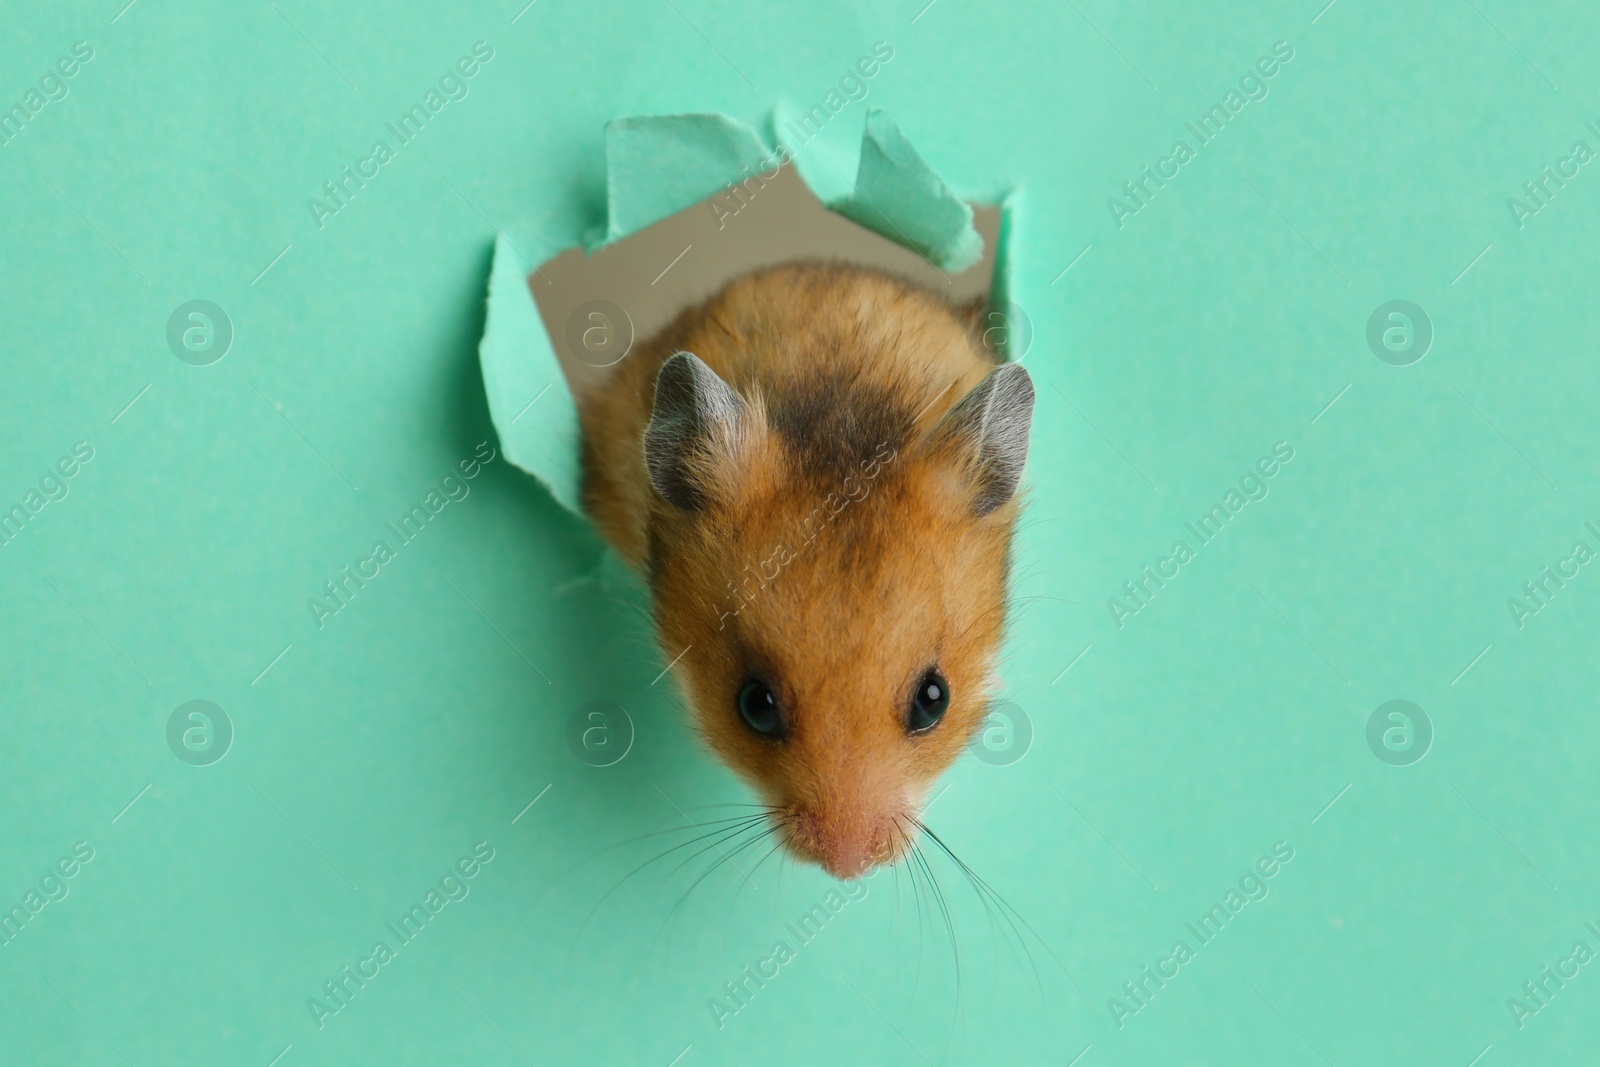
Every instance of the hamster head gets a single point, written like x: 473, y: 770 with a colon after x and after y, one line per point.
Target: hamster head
x: 829, y: 567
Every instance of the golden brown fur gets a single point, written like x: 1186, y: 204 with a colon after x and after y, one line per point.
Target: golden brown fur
x: 836, y: 553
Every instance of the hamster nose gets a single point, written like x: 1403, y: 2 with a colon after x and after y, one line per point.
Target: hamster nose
x: 846, y: 859
x: 847, y: 847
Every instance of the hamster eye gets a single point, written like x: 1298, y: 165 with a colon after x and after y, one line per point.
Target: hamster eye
x: 928, y: 703
x: 759, y: 708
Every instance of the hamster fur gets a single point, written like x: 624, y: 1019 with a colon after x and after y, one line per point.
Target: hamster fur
x: 816, y: 473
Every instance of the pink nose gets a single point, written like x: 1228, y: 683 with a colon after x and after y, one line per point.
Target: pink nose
x: 846, y: 857
x: 846, y: 845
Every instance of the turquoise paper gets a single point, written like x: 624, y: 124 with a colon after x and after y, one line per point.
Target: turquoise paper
x: 1420, y: 546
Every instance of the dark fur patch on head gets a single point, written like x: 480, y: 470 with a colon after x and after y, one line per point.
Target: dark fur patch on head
x: 833, y: 425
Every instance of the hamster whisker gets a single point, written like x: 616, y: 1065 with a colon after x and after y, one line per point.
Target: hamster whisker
x: 662, y: 833
x: 750, y: 880
x: 623, y: 844
x: 776, y: 846
x: 916, y: 895
x: 986, y: 895
x: 725, y: 857
x: 728, y: 858
x: 936, y: 892
x: 726, y: 838
x: 749, y: 824
x: 999, y: 609
x: 1009, y: 913
x: 721, y: 833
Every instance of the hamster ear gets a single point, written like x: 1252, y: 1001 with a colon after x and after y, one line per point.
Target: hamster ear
x: 695, y: 415
x: 988, y: 431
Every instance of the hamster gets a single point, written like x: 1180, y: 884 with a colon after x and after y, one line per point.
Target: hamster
x: 816, y: 473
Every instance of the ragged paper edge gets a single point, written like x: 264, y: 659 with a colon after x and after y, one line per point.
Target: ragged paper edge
x: 897, y: 195
x: 1002, y: 287
x: 657, y: 165
x: 529, y: 403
